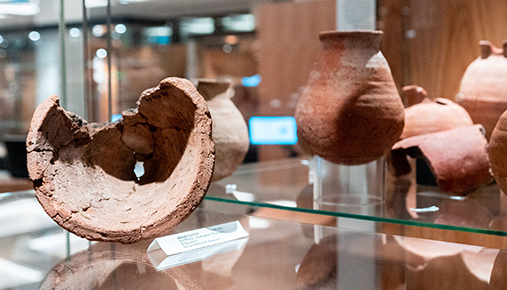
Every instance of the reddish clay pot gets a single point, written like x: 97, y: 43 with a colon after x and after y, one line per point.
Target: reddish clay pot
x: 230, y: 132
x: 84, y: 173
x: 498, y: 152
x: 426, y: 116
x: 350, y: 111
x: 458, y: 158
x: 484, y: 86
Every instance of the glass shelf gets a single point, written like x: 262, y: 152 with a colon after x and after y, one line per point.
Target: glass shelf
x: 284, y: 184
x: 277, y: 255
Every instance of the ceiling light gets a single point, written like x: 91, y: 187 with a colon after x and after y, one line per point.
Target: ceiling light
x: 34, y: 36
x: 101, y: 53
x: 244, y: 22
x: 95, y: 3
x: 98, y: 30
x: 23, y: 9
x: 227, y: 48
x: 120, y: 28
x: 231, y: 39
x: 204, y: 25
x: 75, y: 32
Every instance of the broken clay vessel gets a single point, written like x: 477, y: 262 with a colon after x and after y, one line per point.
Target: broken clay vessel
x: 427, y: 116
x: 458, y: 158
x: 84, y: 176
x: 498, y: 152
x: 483, y: 86
x: 230, y: 133
x: 350, y: 111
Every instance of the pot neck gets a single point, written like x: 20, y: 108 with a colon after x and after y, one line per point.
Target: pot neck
x: 211, y: 88
x: 367, y: 39
x: 487, y: 49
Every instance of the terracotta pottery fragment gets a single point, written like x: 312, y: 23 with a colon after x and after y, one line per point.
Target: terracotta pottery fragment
x: 458, y: 158
x: 350, y: 111
x: 230, y: 132
x: 427, y: 116
x: 483, y: 86
x: 84, y: 176
x: 498, y: 152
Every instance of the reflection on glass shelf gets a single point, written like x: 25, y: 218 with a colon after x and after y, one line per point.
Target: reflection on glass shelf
x: 285, y: 183
x: 15, y: 275
x: 22, y: 221
x: 28, y: 216
x: 284, y: 255
x: 278, y: 254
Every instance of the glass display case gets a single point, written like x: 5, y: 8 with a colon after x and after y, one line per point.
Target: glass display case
x: 286, y: 254
x: 99, y: 56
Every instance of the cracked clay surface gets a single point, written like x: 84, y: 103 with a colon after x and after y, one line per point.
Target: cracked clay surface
x: 84, y: 176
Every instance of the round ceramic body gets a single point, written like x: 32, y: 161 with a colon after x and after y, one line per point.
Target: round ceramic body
x: 483, y: 87
x: 498, y: 153
x: 84, y: 174
x: 230, y: 132
x: 432, y: 116
x: 350, y: 111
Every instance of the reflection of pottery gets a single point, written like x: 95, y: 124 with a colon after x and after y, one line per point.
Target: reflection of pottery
x: 105, y: 266
x: 443, y: 262
x: 480, y: 264
x: 84, y: 173
x: 348, y: 253
x: 463, y: 213
x: 445, y: 272
x: 499, y: 272
x: 403, y: 192
x: 430, y: 249
x: 319, y: 265
x: 230, y: 133
x: 427, y: 116
x: 483, y: 87
x: 350, y: 112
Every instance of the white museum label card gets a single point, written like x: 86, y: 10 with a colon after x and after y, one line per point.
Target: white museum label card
x: 200, y: 238
x: 161, y: 261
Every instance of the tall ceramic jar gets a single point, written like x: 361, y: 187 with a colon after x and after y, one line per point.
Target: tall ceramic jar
x: 350, y: 111
x: 229, y: 131
x: 483, y: 89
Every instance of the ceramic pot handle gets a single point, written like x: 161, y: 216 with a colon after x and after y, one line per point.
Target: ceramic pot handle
x: 413, y: 94
x: 486, y: 48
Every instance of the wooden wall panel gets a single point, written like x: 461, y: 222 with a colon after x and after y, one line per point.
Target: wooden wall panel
x: 288, y: 43
x: 446, y: 39
x: 391, y: 21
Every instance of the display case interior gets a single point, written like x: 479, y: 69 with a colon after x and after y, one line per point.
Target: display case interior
x: 36, y: 254
x: 99, y: 57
